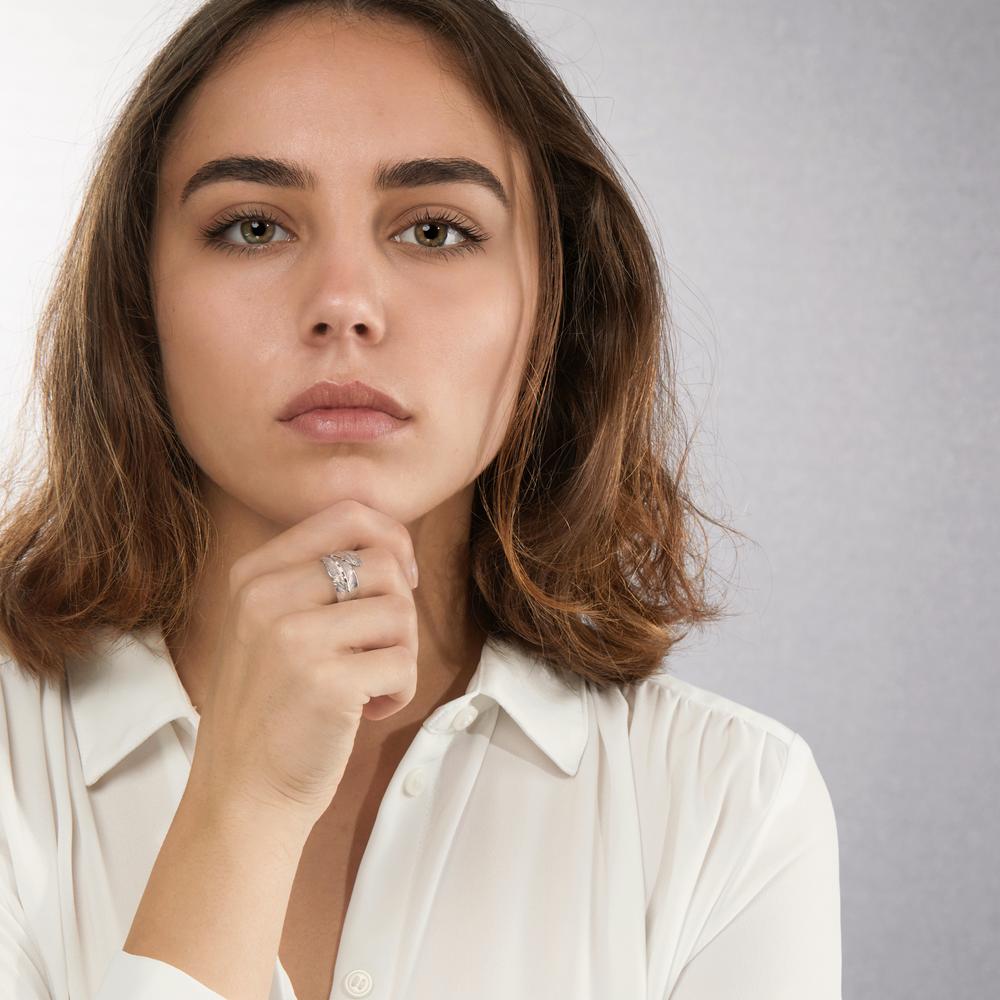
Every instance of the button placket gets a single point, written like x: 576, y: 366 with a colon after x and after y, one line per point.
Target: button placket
x: 400, y: 841
x: 359, y: 981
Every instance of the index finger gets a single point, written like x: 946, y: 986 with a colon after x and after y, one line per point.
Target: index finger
x: 345, y: 524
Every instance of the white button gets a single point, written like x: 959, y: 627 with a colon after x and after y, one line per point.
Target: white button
x: 358, y: 983
x: 434, y: 720
x: 413, y: 783
x: 465, y: 717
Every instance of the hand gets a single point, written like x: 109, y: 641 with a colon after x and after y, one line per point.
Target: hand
x: 295, y: 671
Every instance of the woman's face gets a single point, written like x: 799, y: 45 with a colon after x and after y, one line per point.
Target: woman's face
x: 345, y: 283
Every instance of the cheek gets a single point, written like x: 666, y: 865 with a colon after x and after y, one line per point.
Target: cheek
x: 472, y: 323
x: 208, y: 346
x: 470, y: 363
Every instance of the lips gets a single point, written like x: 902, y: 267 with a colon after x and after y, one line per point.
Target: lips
x: 329, y: 395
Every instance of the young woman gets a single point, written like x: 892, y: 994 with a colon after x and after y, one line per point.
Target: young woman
x: 355, y: 287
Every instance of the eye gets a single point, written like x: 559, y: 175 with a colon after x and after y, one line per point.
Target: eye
x: 433, y: 230
x: 256, y: 226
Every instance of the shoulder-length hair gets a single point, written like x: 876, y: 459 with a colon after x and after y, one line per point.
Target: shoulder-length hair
x: 585, y: 545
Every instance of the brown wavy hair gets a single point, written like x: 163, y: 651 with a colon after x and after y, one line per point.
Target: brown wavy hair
x: 586, y: 547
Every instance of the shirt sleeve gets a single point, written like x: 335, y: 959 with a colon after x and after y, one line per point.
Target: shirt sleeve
x: 774, y: 933
x: 23, y: 971
x: 21, y: 967
x: 139, y: 977
x: 128, y: 977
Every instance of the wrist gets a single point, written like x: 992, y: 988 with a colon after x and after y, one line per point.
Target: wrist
x: 235, y: 811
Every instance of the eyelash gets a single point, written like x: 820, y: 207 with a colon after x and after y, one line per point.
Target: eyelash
x: 211, y: 234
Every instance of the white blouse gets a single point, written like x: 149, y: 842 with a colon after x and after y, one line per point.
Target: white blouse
x: 539, y: 839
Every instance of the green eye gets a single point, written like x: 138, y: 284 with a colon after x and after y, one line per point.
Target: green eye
x: 438, y: 224
x: 254, y: 228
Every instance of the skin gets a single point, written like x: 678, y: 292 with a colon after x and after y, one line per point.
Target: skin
x: 344, y: 290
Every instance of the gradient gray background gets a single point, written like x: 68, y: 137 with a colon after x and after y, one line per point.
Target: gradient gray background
x: 823, y: 178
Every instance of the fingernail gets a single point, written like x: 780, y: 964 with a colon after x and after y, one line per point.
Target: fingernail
x: 413, y: 572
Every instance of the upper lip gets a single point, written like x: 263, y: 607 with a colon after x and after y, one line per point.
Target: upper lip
x: 329, y: 395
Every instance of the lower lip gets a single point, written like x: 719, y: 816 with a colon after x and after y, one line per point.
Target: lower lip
x: 346, y: 424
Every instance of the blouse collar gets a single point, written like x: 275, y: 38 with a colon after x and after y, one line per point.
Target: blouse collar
x: 128, y: 688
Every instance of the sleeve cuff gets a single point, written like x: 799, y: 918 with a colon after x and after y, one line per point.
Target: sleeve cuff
x: 139, y: 977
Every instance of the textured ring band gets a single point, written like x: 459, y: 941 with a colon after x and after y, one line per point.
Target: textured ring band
x: 340, y: 569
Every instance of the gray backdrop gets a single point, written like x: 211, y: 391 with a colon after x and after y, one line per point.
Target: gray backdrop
x: 823, y: 178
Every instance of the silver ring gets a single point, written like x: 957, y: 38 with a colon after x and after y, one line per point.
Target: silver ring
x: 340, y: 568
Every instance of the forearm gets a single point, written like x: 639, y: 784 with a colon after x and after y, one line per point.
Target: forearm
x: 215, y: 902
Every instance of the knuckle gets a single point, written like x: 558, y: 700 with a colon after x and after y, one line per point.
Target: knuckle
x: 254, y: 595
x: 351, y: 507
x: 404, y: 537
x: 286, y: 631
x: 390, y: 561
x: 411, y: 673
x: 320, y: 677
x: 402, y: 605
x: 236, y: 571
x: 402, y: 658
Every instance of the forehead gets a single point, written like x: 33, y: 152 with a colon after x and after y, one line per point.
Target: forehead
x: 339, y: 96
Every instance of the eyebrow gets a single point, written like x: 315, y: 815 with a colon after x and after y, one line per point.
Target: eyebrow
x: 387, y: 176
